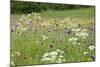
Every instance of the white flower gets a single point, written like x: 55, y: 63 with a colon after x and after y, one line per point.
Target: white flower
x: 29, y: 14
x: 12, y: 55
x: 74, y: 42
x: 29, y: 21
x: 91, y: 47
x: 39, y: 17
x: 53, y: 58
x: 58, y: 50
x: 62, y: 52
x: 84, y: 37
x: 24, y: 29
x: 33, y: 28
x: 84, y: 30
x: 46, y: 54
x: 73, y: 39
x: 17, y: 53
x: 53, y: 53
x: 76, y: 30
x: 44, y: 37
x: 61, y: 56
x: 82, y: 34
x: 37, y: 42
x: 85, y: 53
x: 12, y: 63
x: 63, y: 60
x: 46, y: 59
x: 59, y: 61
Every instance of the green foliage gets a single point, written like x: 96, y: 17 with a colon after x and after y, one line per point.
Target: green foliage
x: 20, y: 7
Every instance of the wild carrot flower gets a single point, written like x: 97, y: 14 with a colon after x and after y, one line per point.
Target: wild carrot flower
x: 44, y: 37
x: 85, y: 53
x: 59, y: 61
x: 12, y: 63
x: 91, y: 47
x: 53, y: 56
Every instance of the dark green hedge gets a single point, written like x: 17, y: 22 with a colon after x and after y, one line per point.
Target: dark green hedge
x: 28, y: 7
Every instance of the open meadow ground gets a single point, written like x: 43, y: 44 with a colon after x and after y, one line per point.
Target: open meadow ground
x: 51, y: 37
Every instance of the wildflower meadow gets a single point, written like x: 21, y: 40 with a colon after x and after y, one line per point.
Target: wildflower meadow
x: 53, y: 36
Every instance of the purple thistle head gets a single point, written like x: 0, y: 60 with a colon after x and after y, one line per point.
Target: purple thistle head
x: 29, y: 22
x: 93, y: 29
x: 93, y: 58
x: 67, y: 31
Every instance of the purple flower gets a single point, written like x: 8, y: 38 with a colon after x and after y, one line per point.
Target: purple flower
x: 93, y: 29
x: 93, y: 58
x: 29, y: 22
x: 67, y: 31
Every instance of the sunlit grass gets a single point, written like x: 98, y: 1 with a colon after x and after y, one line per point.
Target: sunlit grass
x: 49, y: 34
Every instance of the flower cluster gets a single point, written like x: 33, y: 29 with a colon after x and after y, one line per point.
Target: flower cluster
x: 44, y: 37
x: 80, y: 32
x: 54, y: 56
x: 74, y: 40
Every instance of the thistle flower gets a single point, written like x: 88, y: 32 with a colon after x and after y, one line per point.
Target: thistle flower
x: 93, y: 58
x: 29, y: 22
x: 17, y: 25
x: 93, y: 29
x: 67, y: 31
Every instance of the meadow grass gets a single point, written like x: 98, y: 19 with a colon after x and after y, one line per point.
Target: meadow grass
x: 29, y: 46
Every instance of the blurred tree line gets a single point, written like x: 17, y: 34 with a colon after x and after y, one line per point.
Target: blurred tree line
x: 28, y: 7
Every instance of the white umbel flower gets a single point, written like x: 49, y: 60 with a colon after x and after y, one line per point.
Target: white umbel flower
x: 85, y: 53
x: 91, y: 47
